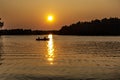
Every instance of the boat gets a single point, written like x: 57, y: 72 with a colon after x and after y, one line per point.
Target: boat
x: 42, y: 39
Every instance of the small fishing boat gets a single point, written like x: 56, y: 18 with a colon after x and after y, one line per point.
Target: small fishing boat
x: 42, y: 39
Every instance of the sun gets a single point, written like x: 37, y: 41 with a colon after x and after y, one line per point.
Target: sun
x: 50, y: 18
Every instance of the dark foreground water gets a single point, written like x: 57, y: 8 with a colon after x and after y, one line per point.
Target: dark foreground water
x: 61, y: 58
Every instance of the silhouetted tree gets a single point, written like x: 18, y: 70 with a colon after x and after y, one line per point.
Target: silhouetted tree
x: 26, y: 32
x: 105, y: 26
x: 1, y: 23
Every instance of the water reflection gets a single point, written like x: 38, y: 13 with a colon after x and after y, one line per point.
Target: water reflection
x: 50, y: 45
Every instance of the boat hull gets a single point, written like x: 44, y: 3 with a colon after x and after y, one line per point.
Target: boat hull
x: 42, y: 39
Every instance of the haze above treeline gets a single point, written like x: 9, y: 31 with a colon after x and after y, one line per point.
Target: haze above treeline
x: 32, y: 14
x: 105, y: 26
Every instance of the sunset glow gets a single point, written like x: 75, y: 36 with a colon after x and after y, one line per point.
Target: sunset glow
x: 50, y: 18
x: 42, y: 14
x: 59, y: 39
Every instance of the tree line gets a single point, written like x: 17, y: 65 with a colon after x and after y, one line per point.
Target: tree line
x: 25, y: 32
x: 105, y: 26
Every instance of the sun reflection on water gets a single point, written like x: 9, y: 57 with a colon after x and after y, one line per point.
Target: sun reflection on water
x: 50, y: 55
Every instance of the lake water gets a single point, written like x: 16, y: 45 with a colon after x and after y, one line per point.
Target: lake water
x: 60, y: 58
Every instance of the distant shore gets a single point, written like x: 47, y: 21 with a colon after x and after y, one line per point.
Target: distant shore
x: 39, y: 32
x: 103, y: 27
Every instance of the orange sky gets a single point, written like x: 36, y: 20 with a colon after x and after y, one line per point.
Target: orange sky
x: 31, y: 14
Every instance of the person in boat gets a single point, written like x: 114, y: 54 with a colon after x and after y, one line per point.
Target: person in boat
x: 38, y: 38
x: 44, y: 38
